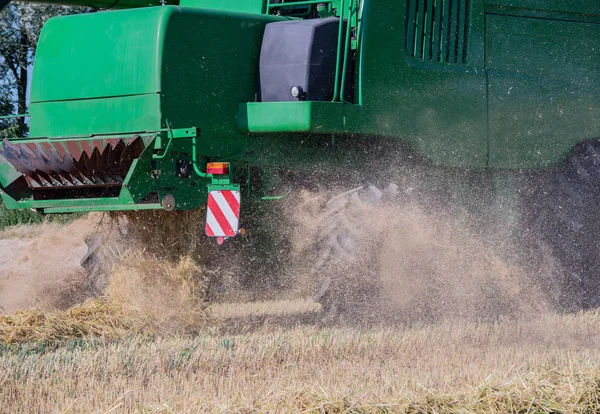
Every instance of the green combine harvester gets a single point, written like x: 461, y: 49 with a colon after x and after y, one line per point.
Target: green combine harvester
x: 169, y: 104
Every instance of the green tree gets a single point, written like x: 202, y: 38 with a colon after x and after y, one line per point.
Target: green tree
x: 7, y: 126
x: 20, y: 27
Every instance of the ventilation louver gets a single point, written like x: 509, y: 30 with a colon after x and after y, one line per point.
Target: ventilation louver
x: 437, y: 30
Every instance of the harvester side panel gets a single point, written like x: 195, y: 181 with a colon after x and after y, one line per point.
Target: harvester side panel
x: 544, y: 88
x: 436, y: 104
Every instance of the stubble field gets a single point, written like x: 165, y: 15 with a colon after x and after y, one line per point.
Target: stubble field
x: 278, y: 361
x: 151, y: 345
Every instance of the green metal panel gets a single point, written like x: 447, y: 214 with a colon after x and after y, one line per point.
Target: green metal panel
x: 571, y: 10
x: 544, y: 89
x: 96, y: 116
x: 99, y: 55
x: 453, y: 29
x: 205, y: 81
x: 445, y: 30
x: 428, y: 35
x: 463, y: 30
x: 113, y: 69
x: 102, y: 205
x: 243, y: 6
x: 410, y: 35
x: 316, y: 117
x: 437, y: 30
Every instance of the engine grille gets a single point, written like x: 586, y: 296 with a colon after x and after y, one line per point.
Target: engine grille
x: 438, y: 30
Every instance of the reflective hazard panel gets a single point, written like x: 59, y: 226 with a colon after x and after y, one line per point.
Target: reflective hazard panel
x: 223, y: 213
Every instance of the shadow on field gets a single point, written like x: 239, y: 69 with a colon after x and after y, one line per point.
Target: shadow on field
x: 244, y: 318
x: 248, y: 324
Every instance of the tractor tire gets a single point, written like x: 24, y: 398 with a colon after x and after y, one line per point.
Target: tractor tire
x: 344, y: 264
x: 564, y: 226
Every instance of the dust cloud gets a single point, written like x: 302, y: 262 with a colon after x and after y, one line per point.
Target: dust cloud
x: 40, y: 265
x: 391, y: 259
x: 162, y: 296
x: 42, y: 279
x: 397, y: 260
x: 433, y: 269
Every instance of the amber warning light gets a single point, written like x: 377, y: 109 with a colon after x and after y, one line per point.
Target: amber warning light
x: 217, y: 168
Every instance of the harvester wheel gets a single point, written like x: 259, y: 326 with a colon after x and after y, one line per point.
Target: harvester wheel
x: 95, y: 265
x: 564, y: 222
x: 345, y: 265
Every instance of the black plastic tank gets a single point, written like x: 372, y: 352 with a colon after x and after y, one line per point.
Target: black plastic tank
x: 300, y: 53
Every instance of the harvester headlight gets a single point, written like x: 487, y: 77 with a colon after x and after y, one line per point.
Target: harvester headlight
x: 297, y: 92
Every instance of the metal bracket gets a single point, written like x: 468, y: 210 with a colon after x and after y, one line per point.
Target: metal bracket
x: 181, y: 133
x: 178, y: 133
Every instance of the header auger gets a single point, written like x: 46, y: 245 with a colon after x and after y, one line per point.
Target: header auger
x: 131, y: 107
x: 96, y: 165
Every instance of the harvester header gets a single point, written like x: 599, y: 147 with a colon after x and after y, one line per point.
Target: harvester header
x: 90, y: 165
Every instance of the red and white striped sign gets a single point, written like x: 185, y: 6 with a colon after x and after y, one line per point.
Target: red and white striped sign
x: 223, y: 213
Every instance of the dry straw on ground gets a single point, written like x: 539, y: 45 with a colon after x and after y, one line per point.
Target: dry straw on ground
x: 95, y: 317
x: 144, y: 295
x: 547, y: 364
